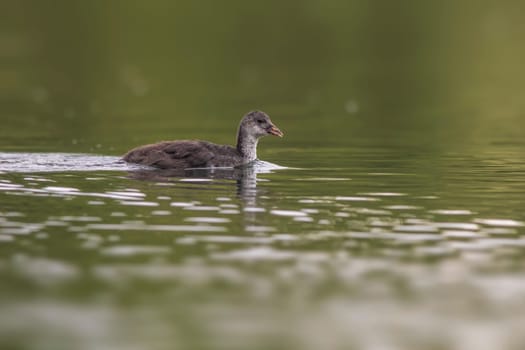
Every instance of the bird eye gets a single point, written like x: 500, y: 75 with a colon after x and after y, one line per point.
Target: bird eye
x: 260, y: 121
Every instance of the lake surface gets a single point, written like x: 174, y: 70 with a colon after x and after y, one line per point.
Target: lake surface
x: 372, y: 252
x: 390, y: 216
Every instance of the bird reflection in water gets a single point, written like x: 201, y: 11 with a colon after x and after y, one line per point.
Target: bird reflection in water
x: 245, y: 177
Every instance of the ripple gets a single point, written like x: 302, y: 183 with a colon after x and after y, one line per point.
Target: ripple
x: 461, y: 234
x: 192, y: 274
x: 195, y: 180
x: 293, y: 213
x: 229, y: 211
x: 415, y: 228
x: 255, y: 254
x: 385, y: 194
x: 228, y: 206
x: 324, y: 179
x: 457, y: 225
x: 9, y: 186
x: 126, y: 194
x: 402, y: 207
x: 202, y: 208
x: 161, y: 212
x: 255, y: 228
x: 226, y: 239
x: 208, y: 220
x: 38, y: 179
x: 181, y: 204
x: 434, y: 251
x: 303, y: 219
x: 168, y: 228
x: 315, y: 201
x: 500, y: 231
x: 53, y: 162
x: 11, y: 214
x: 368, y: 211
x: 500, y: 222
x: 128, y: 250
x: 6, y: 238
x: 451, y: 212
x: 43, y: 270
x: 60, y: 189
x: 361, y: 235
x: 411, y: 237
x: 75, y: 218
x: 254, y: 210
x: 139, y: 203
x: 489, y: 244
x: 356, y: 199
x: 19, y: 228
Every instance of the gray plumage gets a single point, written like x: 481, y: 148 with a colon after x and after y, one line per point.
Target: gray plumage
x: 184, y: 154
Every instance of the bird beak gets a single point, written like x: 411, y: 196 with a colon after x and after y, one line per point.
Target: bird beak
x: 273, y: 130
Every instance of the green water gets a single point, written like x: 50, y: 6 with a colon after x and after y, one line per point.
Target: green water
x: 398, y: 221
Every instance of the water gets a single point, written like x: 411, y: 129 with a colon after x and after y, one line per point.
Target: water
x: 301, y: 258
x: 390, y: 216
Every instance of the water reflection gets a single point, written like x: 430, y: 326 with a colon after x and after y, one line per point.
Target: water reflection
x: 245, y: 177
x: 291, y: 245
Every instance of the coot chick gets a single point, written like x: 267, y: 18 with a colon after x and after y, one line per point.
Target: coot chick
x: 186, y: 154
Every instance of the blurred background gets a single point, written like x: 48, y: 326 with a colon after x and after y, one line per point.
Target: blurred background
x: 102, y: 76
x: 399, y: 223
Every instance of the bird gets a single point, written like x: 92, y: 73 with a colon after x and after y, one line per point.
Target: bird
x: 187, y: 154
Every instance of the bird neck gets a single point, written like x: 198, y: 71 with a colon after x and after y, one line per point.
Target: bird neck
x: 247, y: 146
